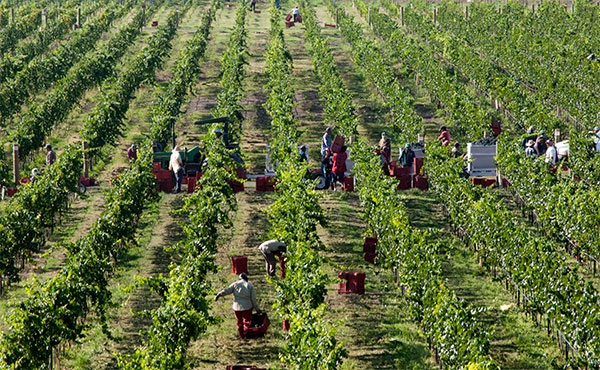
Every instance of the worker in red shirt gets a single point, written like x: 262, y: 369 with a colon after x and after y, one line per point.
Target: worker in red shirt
x: 132, y: 153
x: 339, y: 166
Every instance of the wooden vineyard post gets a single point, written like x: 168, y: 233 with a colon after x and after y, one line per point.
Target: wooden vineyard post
x: 466, y: 12
x: 337, y: 17
x: 78, y: 17
x: 499, y: 179
x: 86, y: 163
x: 143, y: 15
x: 402, y: 15
x: 12, y: 15
x: 370, y: 17
x: 16, y: 164
x: 45, y: 18
x: 434, y: 15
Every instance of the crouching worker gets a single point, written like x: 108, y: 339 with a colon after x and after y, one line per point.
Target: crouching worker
x: 244, y: 301
x: 270, y: 249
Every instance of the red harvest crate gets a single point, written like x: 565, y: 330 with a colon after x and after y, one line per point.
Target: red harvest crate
x: 260, y: 184
x: 369, y: 243
x: 26, y: 180
x: 166, y: 184
x: 162, y: 174
x: 417, y: 164
x: 488, y: 182
x: 369, y: 248
x: 236, y: 186
x: 401, y: 171
x: 338, y: 142
x: 285, y: 324
x: 343, y: 285
x: 476, y: 180
x: 370, y: 257
x: 260, y: 324
x: 239, y: 264
x: 348, y: 183
x: 240, y: 172
x: 156, y: 166
x: 404, y: 182
x: 289, y: 24
x: 11, y: 191
x: 265, y: 183
x: 354, y: 282
x: 191, y: 185
x: 244, y: 367
x: 257, y: 12
x: 421, y: 182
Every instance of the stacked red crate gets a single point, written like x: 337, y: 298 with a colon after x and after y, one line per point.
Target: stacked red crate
x: 348, y: 183
x: 239, y: 264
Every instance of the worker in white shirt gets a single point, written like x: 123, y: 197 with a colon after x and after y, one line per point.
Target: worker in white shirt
x: 296, y: 13
x: 176, y: 165
x: 597, y: 138
x: 244, y: 301
x: 270, y: 249
x: 551, y: 155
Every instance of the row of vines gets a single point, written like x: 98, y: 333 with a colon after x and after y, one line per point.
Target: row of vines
x: 310, y: 342
x: 55, y: 311
x: 531, y: 265
x: 450, y: 325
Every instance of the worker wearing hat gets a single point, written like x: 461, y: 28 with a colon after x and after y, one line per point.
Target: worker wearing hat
x: 244, y: 301
x: 529, y: 151
x: 407, y: 157
x: 35, y: 174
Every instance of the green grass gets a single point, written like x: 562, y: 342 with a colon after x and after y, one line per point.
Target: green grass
x: 375, y: 328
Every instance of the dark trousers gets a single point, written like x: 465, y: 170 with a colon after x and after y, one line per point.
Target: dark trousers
x: 178, y: 179
x: 271, y: 263
x: 253, y: 6
x: 244, y: 321
x: 295, y: 17
x: 339, y: 177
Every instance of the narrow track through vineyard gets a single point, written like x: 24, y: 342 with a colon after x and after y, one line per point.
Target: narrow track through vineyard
x: 465, y: 277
